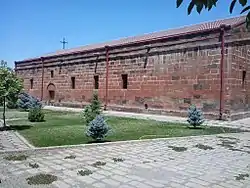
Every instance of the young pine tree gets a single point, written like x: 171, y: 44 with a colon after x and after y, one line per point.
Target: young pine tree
x: 91, y: 111
x: 95, y: 104
x: 195, y: 116
x: 98, y: 129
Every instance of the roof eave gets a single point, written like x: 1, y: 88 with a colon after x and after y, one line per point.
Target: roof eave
x: 227, y: 27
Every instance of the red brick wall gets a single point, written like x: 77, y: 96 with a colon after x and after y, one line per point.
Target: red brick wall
x: 168, y: 76
x: 171, y: 81
x: 34, y: 74
x: 239, y: 61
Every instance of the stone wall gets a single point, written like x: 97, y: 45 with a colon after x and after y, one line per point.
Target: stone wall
x: 239, y: 81
x: 36, y: 75
x: 163, y: 76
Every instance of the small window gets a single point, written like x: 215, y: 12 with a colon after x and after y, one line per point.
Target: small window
x: 124, y: 81
x: 31, y: 83
x: 52, y: 74
x: 96, y: 78
x: 164, y: 59
x: 60, y: 66
x: 243, y: 78
x: 73, y: 79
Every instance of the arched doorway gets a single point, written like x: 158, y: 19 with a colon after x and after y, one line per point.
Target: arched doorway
x: 51, y: 91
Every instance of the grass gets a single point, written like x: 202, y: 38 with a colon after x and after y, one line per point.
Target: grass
x: 98, y: 164
x: 16, y: 157
x: 241, y: 176
x: 231, y: 145
x: 70, y: 157
x: 33, y: 165
x: 118, y: 160
x: 12, y: 113
x: 178, y: 149
x: 41, y: 179
x: 67, y: 128
x: 204, y: 147
x: 84, y: 172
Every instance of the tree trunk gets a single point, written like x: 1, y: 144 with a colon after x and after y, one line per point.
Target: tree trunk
x: 4, y: 122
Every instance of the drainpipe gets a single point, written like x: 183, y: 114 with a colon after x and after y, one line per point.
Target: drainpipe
x: 42, y: 59
x: 222, y: 35
x: 107, y: 76
x: 15, y: 68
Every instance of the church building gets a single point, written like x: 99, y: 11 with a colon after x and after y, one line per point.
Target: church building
x: 163, y: 72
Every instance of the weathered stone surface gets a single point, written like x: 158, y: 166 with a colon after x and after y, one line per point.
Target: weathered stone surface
x: 208, y: 106
x: 181, y: 67
x: 149, y: 164
x: 175, y: 77
x: 187, y: 100
x: 197, y: 96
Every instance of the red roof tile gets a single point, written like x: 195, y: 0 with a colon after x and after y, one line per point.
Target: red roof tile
x: 151, y: 36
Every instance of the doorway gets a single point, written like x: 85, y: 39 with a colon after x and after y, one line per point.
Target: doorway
x: 51, y: 92
x: 51, y: 95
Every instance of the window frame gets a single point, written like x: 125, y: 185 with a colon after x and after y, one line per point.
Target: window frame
x: 73, y: 82
x: 31, y: 83
x: 52, y: 74
x: 244, y: 74
x: 96, y: 81
x: 124, y: 81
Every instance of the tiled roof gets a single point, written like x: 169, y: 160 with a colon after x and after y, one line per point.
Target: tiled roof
x: 151, y: 36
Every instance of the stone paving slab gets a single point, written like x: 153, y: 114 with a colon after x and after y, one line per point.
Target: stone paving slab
x: 11, y: 140
x: 173, y: 162
x: 242, y: 124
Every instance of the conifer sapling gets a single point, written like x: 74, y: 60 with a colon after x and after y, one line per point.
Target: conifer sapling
x: 195, y: 116
x: 98, y: 129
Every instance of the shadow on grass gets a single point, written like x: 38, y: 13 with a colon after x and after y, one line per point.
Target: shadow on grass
x: 196, y: 128
x: 15, y: 127
x: 19, y: 127
x: 96, y: 142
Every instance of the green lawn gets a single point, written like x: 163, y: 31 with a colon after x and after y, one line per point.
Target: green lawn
x: 61, y: 128
x: 12, y: 113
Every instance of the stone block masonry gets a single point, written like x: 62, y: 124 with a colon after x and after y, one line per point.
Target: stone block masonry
x: 161, y: 73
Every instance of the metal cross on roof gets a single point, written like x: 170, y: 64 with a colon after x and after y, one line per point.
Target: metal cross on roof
x: 64, y: 42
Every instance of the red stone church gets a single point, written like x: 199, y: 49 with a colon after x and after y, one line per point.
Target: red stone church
x: 163, y: 72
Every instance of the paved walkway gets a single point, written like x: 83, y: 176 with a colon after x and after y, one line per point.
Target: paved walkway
x: 242, y: 124
x: 162, y: 163
x: 11, y: 140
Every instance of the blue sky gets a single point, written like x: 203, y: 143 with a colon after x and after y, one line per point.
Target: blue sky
x: 31, y: 28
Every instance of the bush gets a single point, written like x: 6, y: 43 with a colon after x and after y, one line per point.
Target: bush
x: 27, y: 101
x: 12, y: 101
x: 95, y: 104
x: 195, y: 116
x: 88, y: 116
x: 91, y: 111
x: 98, y: 129
x: 36, y: 115
x: 12, y: 104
